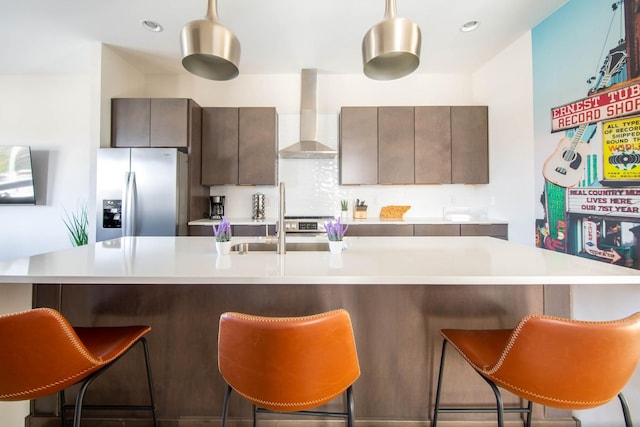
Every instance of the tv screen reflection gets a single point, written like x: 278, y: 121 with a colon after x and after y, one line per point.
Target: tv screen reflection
x: 16, y: 175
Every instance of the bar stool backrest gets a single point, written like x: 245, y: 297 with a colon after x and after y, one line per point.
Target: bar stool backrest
x: 41, y: 355
x: 566, y: 363
x: 288, y: 364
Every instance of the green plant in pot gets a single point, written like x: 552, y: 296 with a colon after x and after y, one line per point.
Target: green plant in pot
x: 77, y: 224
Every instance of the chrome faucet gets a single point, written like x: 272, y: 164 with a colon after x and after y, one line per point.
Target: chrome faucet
x: 282, y: 245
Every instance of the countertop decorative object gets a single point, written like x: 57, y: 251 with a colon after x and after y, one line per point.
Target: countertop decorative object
x: 393, y: 211
x: 222, y: 231
x: 335, y: 233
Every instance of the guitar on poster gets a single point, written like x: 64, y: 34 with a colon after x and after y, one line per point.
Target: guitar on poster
x: 565, y: 166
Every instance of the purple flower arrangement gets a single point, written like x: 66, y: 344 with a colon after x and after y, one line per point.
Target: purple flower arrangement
x: 335, y: 230
x: 223, y: 230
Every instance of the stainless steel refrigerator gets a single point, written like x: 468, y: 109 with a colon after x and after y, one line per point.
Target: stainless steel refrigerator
x: 141, y: 192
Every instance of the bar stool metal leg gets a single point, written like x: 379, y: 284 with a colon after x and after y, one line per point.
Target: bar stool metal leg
x: 500, y: 409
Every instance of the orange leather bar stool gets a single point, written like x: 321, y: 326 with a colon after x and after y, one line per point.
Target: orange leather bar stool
x: 43, y: 354
x: 288, y: 364
x: 562, y: 363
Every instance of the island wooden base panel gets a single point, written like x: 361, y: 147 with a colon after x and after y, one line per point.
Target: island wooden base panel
x: 396, y: 329
x: 88, y: 422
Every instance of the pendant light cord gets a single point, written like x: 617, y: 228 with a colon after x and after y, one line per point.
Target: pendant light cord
x: 212, y: 11
x: 390, y: 11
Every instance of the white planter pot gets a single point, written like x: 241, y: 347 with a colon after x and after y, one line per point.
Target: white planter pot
x: 223, y: 248
x: 335, y: 247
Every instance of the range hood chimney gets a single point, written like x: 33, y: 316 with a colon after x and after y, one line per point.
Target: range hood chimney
x: 308, y: 147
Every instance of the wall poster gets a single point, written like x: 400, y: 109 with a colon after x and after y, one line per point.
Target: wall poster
x: 587, y: 130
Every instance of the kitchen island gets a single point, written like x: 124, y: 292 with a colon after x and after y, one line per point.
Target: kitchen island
x: 400, y: 293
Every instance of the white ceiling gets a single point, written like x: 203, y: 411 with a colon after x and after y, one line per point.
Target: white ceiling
x: 278, y: 36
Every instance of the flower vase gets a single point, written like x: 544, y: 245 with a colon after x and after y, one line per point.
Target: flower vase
x: 335, y: 246
x: 223, y: 248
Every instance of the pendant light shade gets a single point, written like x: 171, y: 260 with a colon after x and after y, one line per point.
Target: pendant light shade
x: 391, y: 48
x: 209, y: 49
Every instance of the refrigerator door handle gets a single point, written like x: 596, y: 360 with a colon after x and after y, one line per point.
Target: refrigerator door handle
x: 129, y: 205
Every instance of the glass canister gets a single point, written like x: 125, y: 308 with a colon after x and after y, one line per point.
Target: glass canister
x: 258, y: 206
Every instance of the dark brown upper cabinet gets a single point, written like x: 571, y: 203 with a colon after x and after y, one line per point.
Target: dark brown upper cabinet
x: 239, y: 146
x: 151, y: 122
x: 470, y: 145
x: 219, y: 145
x: 396, y: 145
x: 433, y: 145
x: 258, y: 146
x: 414, y: 145
x: 358, y: 152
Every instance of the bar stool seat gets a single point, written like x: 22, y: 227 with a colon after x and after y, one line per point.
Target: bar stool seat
x: 561, y: 363
x: 43, y: 354
x: 288, y: 364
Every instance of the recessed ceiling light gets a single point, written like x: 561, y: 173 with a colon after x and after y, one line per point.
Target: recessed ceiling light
x: 469, y: 26
x: 151, y: 26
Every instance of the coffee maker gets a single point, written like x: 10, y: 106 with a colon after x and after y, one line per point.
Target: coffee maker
x: 217, y: 207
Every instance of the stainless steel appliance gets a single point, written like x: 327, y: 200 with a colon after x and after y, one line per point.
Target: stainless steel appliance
x: 258, y: 206
x: 217, y: 207
x: 306, y: 225
x: 141, y: 192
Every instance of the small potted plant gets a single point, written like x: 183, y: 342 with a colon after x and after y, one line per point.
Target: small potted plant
x: 222, y: 233
x: 335, y: 233
x: 344, y: 207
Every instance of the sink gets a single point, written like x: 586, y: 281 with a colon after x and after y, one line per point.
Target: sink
x: 291, y: 247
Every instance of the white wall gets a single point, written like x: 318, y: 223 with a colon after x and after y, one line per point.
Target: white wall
x: 52, y: 115
x: 504, y: 83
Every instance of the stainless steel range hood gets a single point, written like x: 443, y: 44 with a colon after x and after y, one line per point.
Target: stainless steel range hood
x: 308, y: 147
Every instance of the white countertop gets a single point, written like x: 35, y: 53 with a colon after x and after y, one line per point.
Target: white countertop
x: 368, y: 260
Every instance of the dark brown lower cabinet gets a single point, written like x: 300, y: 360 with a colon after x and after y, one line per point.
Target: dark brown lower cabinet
x: 380, y: 230
x: 236, y: 230
x: 436, y: 229
x: 501, y: 231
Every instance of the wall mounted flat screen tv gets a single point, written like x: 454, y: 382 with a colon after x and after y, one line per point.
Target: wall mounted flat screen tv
x: 16, y: 176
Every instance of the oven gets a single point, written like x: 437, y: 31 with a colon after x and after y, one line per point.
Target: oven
x: 306, y: 226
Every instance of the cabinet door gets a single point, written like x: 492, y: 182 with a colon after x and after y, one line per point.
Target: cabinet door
x: 200, y: 230
x: 501, y: 231
x: 380, y: 230
x: 469, y: 145
x: 219, y: 146
x: 169, y: 122
x: 130, y: 121
x: 436, y: 229
x: 433, y: 145
x: 258, y: 146
x: 358, y: 145
x: 396, y: 145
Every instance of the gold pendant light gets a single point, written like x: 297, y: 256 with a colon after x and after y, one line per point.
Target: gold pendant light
x: 391, y: 48
x: 209, y: 49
